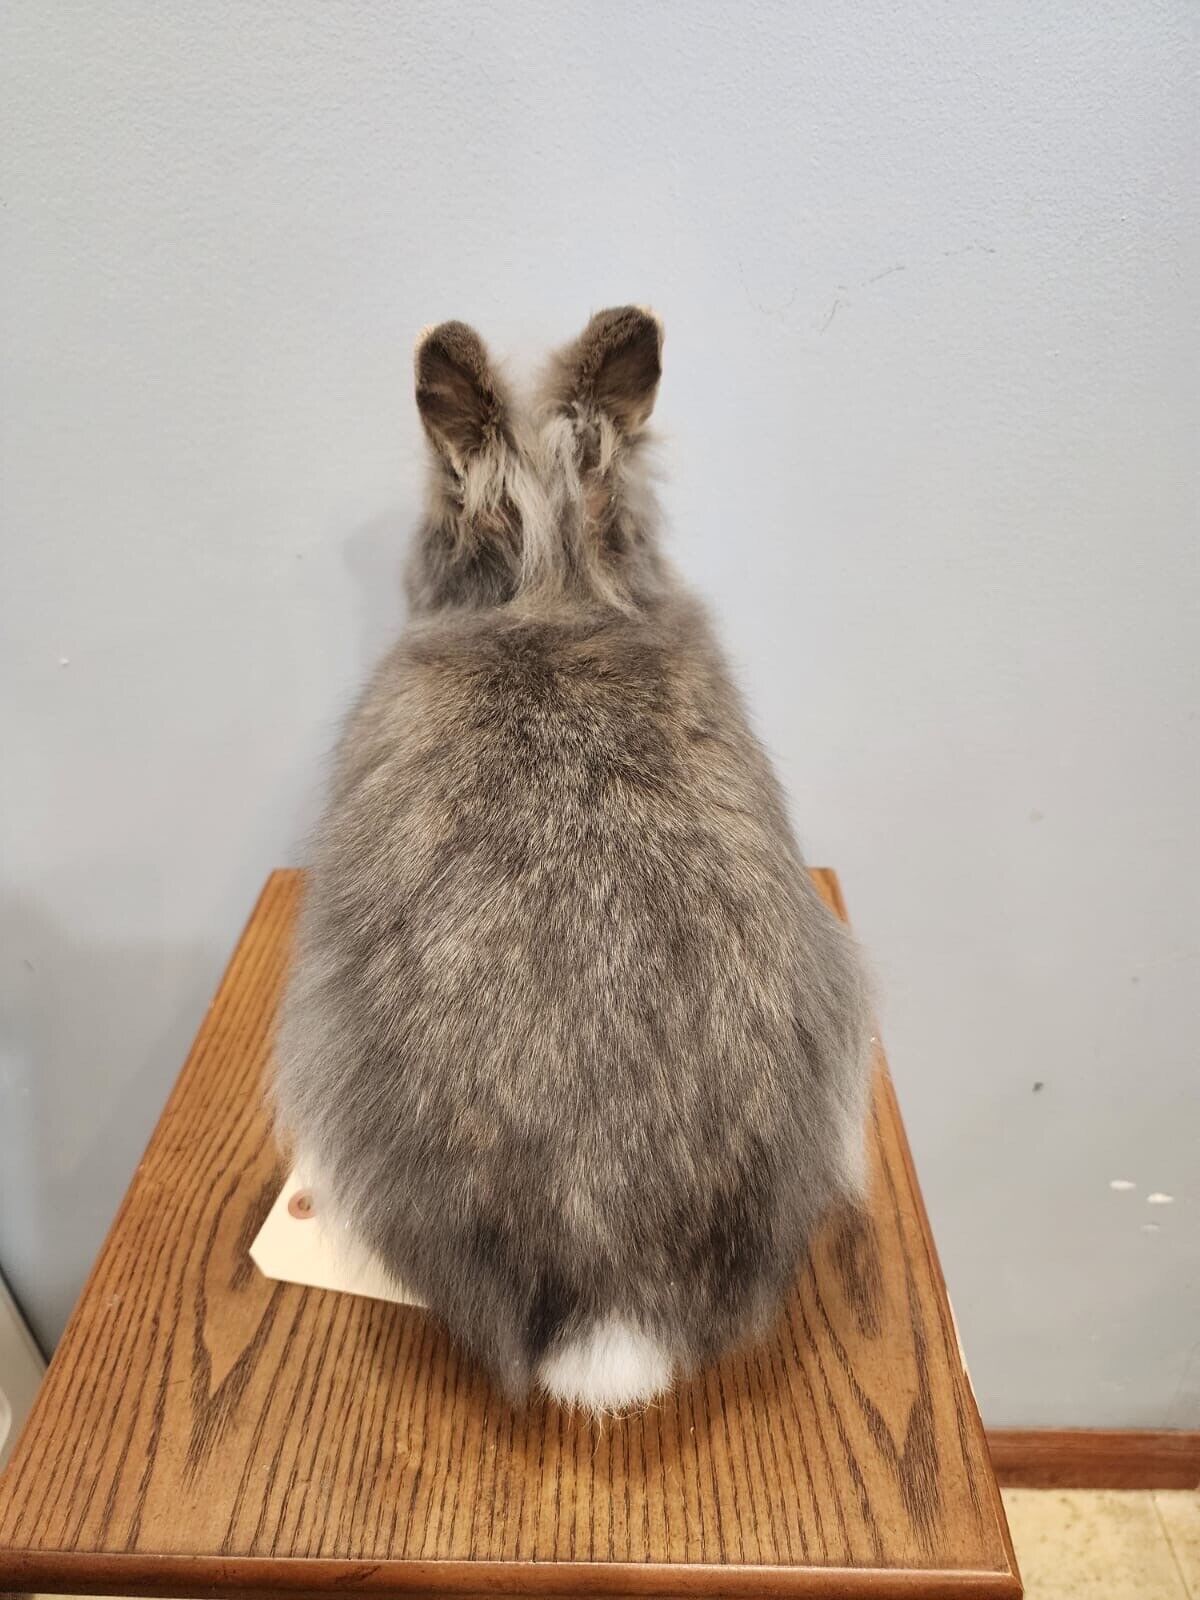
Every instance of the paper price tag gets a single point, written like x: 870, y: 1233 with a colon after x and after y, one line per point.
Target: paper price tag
x: 296, y: 1244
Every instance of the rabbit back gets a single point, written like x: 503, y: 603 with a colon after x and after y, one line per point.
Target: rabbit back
x: 571, y: 1038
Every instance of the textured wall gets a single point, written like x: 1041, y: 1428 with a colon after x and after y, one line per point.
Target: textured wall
x: 928, y: 273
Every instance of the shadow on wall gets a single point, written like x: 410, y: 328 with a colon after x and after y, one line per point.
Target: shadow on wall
x: 93, y: 1032
x: 91, y: 1038
x: 375, y: 557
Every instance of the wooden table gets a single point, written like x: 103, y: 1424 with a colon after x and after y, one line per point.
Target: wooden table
x: 203, y: 1430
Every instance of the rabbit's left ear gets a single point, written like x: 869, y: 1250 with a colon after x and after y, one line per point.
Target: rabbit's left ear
x: 459, y: 398
x: 614, y: 366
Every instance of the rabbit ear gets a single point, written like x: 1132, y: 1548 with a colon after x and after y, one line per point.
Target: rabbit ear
x: 614, y: 366
x: 460, y: 401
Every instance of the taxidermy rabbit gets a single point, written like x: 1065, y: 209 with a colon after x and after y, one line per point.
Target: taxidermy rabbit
x: 570, y: 1042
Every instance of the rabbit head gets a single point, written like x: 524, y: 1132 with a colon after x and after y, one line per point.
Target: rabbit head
x: 546, y: 499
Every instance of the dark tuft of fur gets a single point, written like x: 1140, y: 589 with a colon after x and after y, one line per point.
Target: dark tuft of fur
x: 569, y: 1036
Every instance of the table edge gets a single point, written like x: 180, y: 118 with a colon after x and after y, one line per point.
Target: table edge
x: 245, y: 1577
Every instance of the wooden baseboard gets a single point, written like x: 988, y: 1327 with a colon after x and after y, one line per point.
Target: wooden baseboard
x: 1094, y: 1458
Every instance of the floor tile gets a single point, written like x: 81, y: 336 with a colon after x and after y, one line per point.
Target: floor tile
x: 1086, y: 1544
x: 1179, y: 1511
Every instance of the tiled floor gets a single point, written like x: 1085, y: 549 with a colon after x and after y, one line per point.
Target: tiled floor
x: 1083, y: 1544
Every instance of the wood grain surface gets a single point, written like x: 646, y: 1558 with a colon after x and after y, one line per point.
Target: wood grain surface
x: 205, y: 1430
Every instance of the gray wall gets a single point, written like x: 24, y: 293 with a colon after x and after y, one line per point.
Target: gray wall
x: 928, y: 274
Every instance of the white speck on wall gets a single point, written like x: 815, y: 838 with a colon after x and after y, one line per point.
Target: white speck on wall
x: 1151, y: 1227
x: 1121, y: 1184
x: 1160, y: 1199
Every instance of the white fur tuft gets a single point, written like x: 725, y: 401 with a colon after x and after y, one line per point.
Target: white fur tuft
x: 611, y: 1366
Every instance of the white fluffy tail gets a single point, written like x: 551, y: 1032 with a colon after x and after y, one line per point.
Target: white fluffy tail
x: 609, y: 1368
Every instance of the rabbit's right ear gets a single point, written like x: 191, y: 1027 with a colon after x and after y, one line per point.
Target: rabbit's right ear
x: 460, y: 400
x: 612, y: 369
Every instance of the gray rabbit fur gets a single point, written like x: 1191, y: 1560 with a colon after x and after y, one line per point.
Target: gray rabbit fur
x: 570, y: 1042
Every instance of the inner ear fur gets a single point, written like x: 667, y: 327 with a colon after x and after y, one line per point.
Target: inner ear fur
x: 460, y: 400
x: 614, y: 367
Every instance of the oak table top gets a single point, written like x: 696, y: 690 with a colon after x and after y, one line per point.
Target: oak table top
x: 203, y: 1430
